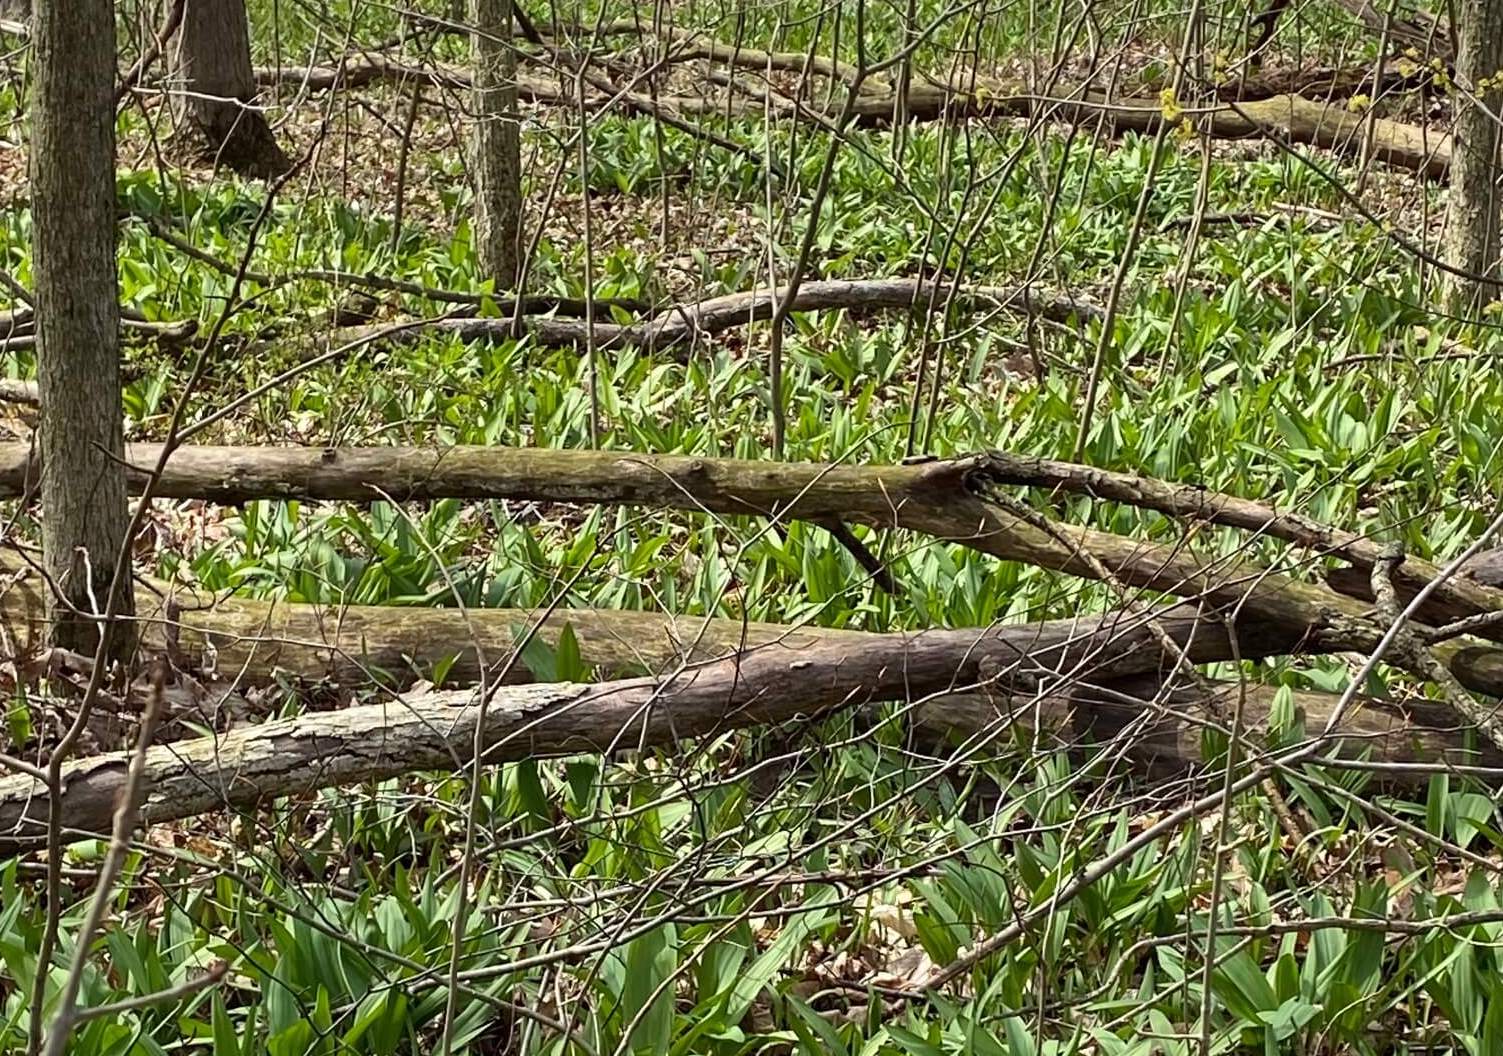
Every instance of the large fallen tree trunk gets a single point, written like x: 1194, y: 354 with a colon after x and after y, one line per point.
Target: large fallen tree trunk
x: 777, y: 682
x: 939, y: 499
x: 687, y: 321
x: 252, y: 642
x: 1293, y: 118
x: 435, y: 730
x: 257, y: 641
x: 239, y: 474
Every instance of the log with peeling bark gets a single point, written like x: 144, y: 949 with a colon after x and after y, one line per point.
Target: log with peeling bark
x: 774, y: 683
x: 781, y: 681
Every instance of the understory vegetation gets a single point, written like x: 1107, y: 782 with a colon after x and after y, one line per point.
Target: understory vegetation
x: 1276, y: 337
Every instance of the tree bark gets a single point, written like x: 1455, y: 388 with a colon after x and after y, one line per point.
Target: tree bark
x: 770, y: 684
x: 781, y: 681
x: 495, y: 143
x: 1288, y: 117
x: 254, y: 642
x: 686, y: 322
x: 213, y: 91
x: 1471, y: 237
x: 84, y: 515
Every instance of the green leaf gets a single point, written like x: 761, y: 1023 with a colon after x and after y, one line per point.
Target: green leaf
x: 1242, y: 987
x: 226, y: 1038
x: 1491, y: 1038
x: 815, y: 1031
x: 568, y: 665
x: 1436, y: 800
x: 531, y: 796
x: 581, y: 775
x: 772, y: 961
x: 536, y: 655
x: 651, y: 961
x: 1470, y: 814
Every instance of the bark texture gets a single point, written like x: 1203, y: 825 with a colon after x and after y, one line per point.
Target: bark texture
x: 252, y: 642
x: 213, y: 91
x: 946, y: 500
x: 1288, y: 117
x: 789, y: 678
x: 495, y: 143
x: 1471, y: 238
x: 770, y: 684
x: 84, y: 516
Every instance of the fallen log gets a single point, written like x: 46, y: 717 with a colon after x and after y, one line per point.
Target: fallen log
x: 941, y: 499
x: 1324, y: 83
x: 773, y: 683
x: 938, y: 499
x: 252, y: 642
x: 232, y: 475
x: 1451, y: 600
x: 1291, y: 117
x: 1401, y: 742
x: 1439, y: 609
x: 778, y: 682
x: 685, y: 322
x: 257, y: 642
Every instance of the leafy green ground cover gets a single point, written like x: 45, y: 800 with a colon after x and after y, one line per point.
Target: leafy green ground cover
x: 737, y: 897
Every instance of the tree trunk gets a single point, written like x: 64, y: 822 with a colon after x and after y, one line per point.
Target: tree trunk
x: 774, y: 683
x: 496, y: 153
x: 935, y: 498
x: 804, y: 676
x: 1333, y: 126
x: 84, y: 517
x: 214, y: 89
x: 1471, y: 237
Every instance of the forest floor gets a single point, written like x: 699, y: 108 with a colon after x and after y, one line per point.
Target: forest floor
x: 1290, y: 354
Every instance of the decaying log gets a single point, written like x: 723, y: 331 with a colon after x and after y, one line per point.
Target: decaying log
x: 1323, y: 83
x: 239, y: 474
x: 1440, y: 608
x: 939, y: 499
x: 684, y: 322
x: 249, y: 641
x: 773, y: 683
x: 1402, y: 742
x: 18, y: 390
x: 1289, y: 116
x: 782, y: 681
